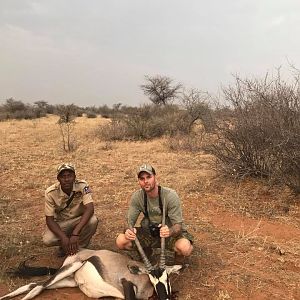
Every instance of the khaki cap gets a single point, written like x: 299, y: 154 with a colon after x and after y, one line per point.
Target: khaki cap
x: 146, y: 168
x: 65, y: 166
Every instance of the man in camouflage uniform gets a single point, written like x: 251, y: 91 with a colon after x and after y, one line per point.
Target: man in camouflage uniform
x: 148, y: 200
x: 69, y: 211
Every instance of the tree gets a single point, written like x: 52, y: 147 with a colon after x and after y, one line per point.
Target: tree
x: 160, y: 89
x: 41, y: 108
x: 13, y: 105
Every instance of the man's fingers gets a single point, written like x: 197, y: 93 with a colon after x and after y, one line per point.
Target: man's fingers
x: 130, y: 233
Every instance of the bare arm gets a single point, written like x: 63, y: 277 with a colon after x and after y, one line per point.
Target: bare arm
x: 74, y: 238
x: 54, y: 227
x: 174, y: 230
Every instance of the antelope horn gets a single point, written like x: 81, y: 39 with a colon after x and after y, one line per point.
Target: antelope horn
x: 162, y: 262
x: 145, y: 259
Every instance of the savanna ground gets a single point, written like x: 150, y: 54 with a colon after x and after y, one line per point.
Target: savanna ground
x: 247, y: 235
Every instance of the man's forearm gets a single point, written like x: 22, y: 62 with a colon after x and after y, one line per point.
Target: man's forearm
x: 175, y: 230
x: 88, y: 213
x: 55, y: 228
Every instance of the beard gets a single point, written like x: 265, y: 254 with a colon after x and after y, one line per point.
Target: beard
x: 149, y: 188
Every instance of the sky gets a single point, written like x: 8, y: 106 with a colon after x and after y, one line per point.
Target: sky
x: 96, y: 52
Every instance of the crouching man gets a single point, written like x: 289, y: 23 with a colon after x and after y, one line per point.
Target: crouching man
x: 69, y: 211
x: 149, y: 201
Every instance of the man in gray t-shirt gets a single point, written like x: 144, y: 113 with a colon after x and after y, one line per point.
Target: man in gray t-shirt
x: 149, y: 201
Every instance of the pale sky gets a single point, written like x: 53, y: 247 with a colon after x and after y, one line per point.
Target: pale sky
x: 95, y: 52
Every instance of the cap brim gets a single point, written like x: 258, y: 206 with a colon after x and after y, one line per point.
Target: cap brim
x: 64, y: 169
x: 146, y: 171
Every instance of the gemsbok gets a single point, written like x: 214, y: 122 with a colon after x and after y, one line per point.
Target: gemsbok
x: 104, y: 273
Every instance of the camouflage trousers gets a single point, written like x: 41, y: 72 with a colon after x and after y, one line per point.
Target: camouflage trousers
x: 148, y: 241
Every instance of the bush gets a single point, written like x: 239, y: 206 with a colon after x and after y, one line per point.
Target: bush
x: 262, y: 138
x: 146, y: 122
x: 66, y: 122
x: 197, y: 108
x: 91, y: 115
x: 114, y: 131
x: 16, y: 109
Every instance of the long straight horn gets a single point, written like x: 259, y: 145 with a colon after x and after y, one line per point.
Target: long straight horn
x: 162, y: 262
x: 145, y: 259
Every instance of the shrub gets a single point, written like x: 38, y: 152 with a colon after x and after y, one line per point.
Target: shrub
x: 146, y: 122
x: 262, y: 138
x: 16, y: 109
x: 197, y: 108
x: 91, y: 115
x: 113, y: 131
x: 67, y: 124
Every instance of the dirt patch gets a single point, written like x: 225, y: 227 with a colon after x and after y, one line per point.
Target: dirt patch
x: 247, y: 235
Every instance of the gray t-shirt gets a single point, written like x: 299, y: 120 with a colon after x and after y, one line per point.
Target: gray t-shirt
x: 173, y: 208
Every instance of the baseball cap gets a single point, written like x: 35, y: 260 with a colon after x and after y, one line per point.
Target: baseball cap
x: 146, y: 168
x: 65, y: 166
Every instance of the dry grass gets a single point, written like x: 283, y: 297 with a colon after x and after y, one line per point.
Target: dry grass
x: 246, y: 240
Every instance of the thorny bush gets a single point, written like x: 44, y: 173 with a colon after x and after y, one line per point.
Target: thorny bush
x: 262, y: 138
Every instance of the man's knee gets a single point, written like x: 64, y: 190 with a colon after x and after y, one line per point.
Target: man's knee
x: 90, y: 228
x: 122, y: 243
x: 93, y: 222
x: 46, y: 241
x: 183, y: 247
x: 49, y: 239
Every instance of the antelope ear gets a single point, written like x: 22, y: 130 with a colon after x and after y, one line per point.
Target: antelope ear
x: 173, y: 269
x: 136, y: 269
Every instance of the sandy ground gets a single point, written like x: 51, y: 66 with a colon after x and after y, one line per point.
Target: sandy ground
x: 247, y: 235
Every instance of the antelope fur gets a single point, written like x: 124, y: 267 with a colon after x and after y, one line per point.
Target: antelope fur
x: 104, y: 273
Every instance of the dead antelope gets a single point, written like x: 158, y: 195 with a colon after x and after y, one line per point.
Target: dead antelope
x: 103, y: 273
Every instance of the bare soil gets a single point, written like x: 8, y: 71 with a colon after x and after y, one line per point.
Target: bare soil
x: 247, y: 234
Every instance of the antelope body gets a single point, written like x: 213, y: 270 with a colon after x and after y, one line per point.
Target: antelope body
x: 98, y: 273
x: 104, y: 273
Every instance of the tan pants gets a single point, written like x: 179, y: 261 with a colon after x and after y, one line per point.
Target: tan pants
x: 50, y: 239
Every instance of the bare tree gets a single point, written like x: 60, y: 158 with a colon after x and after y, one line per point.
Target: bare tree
x: 160, y: 89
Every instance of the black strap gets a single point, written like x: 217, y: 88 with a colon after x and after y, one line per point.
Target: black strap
x: 69, y: 200
x: 146, y: 214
